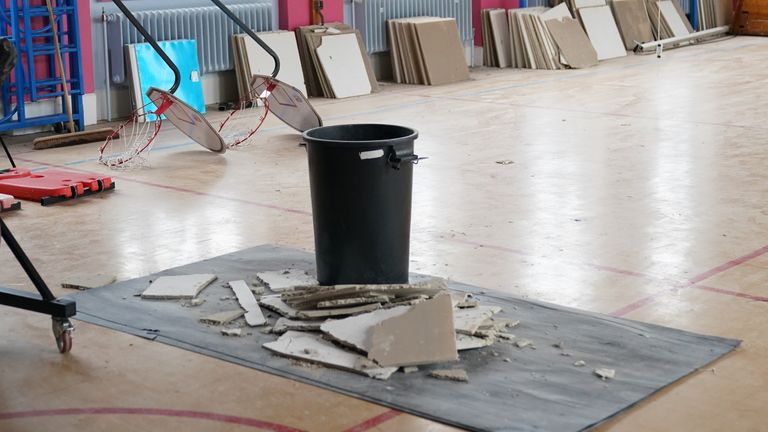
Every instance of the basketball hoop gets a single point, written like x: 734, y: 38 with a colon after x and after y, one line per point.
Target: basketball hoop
x: 242, y: 123
x: 128, y: 147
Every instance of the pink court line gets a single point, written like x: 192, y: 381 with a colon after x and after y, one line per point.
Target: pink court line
x: 200, y: 415
x: 180, y: 189
x: 691, y: 283
x: 374, y: 421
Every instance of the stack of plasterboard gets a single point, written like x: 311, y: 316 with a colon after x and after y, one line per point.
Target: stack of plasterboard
x: 668, y: 19
x: 497, y: 48
x: 335, y: 61
x: 598, y: 21
x: 714, y: 13
x: 633, y: 22
x: 251, y: 59
x: 427, y: 51
x: 532, y: 44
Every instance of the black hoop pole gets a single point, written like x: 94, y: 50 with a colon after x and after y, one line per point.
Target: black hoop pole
x: 250, y: 33
x: 153, y: 43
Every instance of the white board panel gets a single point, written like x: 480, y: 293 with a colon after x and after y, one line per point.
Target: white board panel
x: 284, y: 44
x: 343, y: 64
x: 602, y: 31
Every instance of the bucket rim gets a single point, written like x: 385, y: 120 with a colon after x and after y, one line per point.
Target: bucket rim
x: 413, y: 135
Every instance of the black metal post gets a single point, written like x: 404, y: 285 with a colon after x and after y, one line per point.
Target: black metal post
x: 7, y: 153
x: 250, y: 33
x: 151, y: 40
x: 25, y: 263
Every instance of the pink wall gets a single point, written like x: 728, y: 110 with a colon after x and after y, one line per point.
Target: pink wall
x: 478, y: 5
x: 296, y: 13
x: 86, y: 46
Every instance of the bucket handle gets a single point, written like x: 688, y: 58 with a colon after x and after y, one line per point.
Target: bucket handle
x: 398, y: 156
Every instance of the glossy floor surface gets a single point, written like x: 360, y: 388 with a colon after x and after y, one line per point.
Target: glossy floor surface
x: 636, y: 188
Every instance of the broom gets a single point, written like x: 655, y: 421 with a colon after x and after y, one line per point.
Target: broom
x: 71, y: 138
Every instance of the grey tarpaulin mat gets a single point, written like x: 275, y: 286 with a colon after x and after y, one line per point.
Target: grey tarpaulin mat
x: 536, y: 389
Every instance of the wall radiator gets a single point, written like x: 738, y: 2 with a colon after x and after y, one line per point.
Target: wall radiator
x: 207, y: 25
x: 371, y: 17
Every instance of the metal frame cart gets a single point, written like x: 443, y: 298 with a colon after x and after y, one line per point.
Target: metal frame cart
x: 44, y: 302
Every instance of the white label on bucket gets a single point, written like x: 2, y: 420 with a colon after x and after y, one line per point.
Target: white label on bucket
x: 372, y: 154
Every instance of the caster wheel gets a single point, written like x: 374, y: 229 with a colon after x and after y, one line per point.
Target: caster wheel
x: 59, y: 127
x: 62, y: 331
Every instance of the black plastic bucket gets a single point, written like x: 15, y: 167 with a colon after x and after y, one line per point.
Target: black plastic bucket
x: 361, y: 177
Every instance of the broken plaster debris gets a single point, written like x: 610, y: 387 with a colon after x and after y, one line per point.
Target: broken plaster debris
x: 422, y: 335
x: 468, y: 321
x: 467, y: 342
x: 253, y: 315
x: 506, y: 336
x: 309, y: 297
x: 88, y: 281
x: 355, y: 301
x: 312, y: 347
x: 579, y: 363
x: 410, y: 369
x: 276, y: 304
x: 605, y: 374
x: 285, y: 280
x: 467, y: 304
x: 522, y: 343
x: 327, y: 313
x: 459, y: 375
x: 194, y: 302
x: 457, y: 298
x: 235, y: 332
x: 177, y: 287
x: 284, y: 324
x: 222, y: 318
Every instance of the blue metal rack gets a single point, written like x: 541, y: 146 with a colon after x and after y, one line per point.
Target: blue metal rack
x: 36, y: 77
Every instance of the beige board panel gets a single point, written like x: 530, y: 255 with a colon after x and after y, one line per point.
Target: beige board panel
x: 443, y: 52
x: 137, y: 98
x: 558, y: 12
x: 394, y: 52
x: 422, y: 335
x: 588, y: 3
x: 601, y: 29
x: 632, y: 21
x: 723, y: 12
x: 501, y: 37
x: 573, y: 42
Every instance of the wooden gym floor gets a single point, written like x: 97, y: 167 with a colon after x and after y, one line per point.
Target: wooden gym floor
x: 637, y: 189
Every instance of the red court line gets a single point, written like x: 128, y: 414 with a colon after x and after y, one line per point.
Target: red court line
x: 374, y: 421
x: 729, y: 265
x: 692, y: 282
x: 731, y: 293
x: 179, y: 189
x: 594, y: 266
x: 201, y: 415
